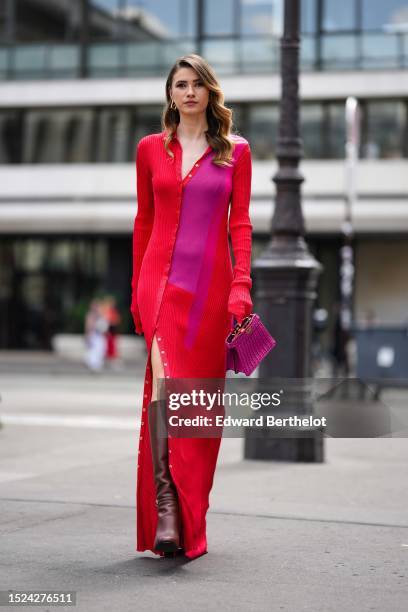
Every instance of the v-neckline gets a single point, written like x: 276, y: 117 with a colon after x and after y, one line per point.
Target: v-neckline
x: 190, y: 172
x: 183, y: 179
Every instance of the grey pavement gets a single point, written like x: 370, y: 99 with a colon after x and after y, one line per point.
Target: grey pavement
x: 331, y: 536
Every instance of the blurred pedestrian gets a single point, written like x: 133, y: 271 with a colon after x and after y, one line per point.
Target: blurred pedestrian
x: 113, y: 317
x: 96, y: 325
x: 341, y: 337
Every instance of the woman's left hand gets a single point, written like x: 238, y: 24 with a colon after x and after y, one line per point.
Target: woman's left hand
x: 240, y: 302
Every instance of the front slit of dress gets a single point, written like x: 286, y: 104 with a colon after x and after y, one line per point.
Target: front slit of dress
x: 145, y: 421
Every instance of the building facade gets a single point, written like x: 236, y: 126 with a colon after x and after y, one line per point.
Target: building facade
x: 81, y: 81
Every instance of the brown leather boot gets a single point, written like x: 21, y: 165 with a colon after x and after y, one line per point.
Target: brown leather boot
x: 167, y: 533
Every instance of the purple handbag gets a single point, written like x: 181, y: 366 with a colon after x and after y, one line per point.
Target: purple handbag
x: 247, y: 344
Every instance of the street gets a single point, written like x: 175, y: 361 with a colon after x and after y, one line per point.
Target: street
x: 281, y: 536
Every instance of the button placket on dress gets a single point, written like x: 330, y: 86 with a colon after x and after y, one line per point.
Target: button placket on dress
x: 193, y: 169
x: 182, y: 183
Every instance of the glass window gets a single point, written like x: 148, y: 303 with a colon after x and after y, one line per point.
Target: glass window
x: 57, y: 136
x: 221, y: 54
x: 259, y: 54
x: 312, y: 118
x: 144, y: 120
x: 219, y: 17
x: 261, y: 17
x: 30, y: 61
x: 105, y: 59
x: 308, y: 52
x: 339, y: 15
x: 378, y: 15
x: 336, y: 132
x: 308, y: 16
x: 113, y: 132
x: 47, y: 21
x: 4, y: 62
x: 104, y: 18
x: 237, y: 118
x: 384, y: 130
x: 379, y: 50
x: 263, y: 120
x: 4, y: 21
x: 10, y: 137
x: 42, y: 60
x: 159, y: 19
x: 339, y: 51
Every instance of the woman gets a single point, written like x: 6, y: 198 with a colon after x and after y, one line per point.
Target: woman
x: 185, y: 291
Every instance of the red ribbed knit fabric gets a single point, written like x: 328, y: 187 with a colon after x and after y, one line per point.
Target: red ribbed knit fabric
x: 240, y: 227
x: 185, y: 292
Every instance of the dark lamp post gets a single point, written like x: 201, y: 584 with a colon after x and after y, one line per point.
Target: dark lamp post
x: 286, y: 273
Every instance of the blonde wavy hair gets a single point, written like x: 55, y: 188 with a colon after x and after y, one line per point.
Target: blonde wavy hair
x: 219, y: 117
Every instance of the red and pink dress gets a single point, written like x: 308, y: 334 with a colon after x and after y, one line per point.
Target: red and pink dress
x: 183, y: 289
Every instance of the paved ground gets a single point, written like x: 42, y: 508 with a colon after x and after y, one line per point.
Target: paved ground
x: 282, y: 536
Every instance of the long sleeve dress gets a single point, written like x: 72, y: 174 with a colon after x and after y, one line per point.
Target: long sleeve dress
x: 183, y: 289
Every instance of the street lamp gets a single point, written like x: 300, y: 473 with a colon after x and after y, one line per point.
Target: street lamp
x: 286, y: 273
x: 352, y: 117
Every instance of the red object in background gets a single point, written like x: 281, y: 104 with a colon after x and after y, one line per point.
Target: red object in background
x: 111, y: 345
x: 113, y: 317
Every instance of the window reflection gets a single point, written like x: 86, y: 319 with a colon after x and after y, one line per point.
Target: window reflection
x: 58, y: 136
x: 312, y: 130
x: 10, y: 137
x: 308, y: 16
x: 38, y: 22
x: 105, y: 19
x: 238, y: 118
x: 261, y: 17
x: 389, y: 15
x: 221, y: 54
x: 163, y: 19
x: 113, y: 133
x: 262, y: 129
x: 339, y: 51
x: 385, y: 126
x: 109, y: 135
x: 219, y: 17
x: 379, y: 50
x: 335, y: 131
x: 339, y: 15
x: 56, y: 278
x: 144, y: 120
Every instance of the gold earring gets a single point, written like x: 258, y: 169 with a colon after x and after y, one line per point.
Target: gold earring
x: 173, y: 105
